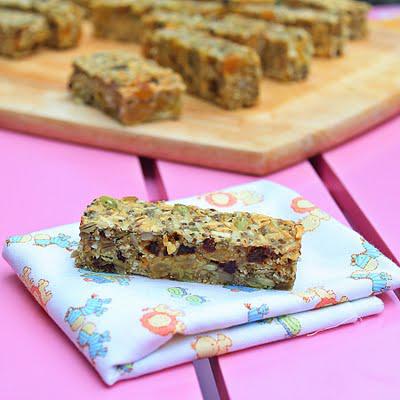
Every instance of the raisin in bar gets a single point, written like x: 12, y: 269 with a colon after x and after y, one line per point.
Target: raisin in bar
x: 128, y: 87
x: 354, y: 13
x: 215, y: 69
x: 285, y: 52
x: 121, y: 19
x: 21, y: 32
x: 187, y: 243
x: 326, y: 29
x: 63, y: 17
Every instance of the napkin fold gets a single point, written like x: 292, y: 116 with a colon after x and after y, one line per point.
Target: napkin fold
x: 127, y: 326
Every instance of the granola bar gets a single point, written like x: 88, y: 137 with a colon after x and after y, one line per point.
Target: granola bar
x: 187, y: 243
x: 285, y: 52
x: 63, y: 18
x: 215, y: 69
x: 127, y: 87
x: 327, y: 30
x: 121, y: 19
x: 21, y: 32
x: 354, y: 13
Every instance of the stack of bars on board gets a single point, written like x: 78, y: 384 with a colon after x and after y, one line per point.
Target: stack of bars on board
x: 216, y: 50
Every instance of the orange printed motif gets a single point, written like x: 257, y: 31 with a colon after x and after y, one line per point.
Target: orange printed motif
x: 39, y: 291
x: 314, y: 215
x: 162, y: 321
x: 207, y: 346
x: 228, y: 199
x: 326, y: 297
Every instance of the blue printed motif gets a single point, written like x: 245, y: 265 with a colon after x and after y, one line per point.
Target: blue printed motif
x: 88, y: 337
x: 182, y: 293
x: 367, y: 260
x: 238, y: 288
x: 380, y: 280
x: 290, y: 324
x: 100, y: 278
x: 257, y: 313
x: 43, y: 240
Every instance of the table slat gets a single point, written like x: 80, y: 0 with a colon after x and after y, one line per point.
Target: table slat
x: 46, y: 183
x: 363, y: 175
x: 341, y: 363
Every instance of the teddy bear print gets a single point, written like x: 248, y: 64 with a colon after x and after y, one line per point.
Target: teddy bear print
x: 324, y: 297
x: 314, y: 215
x: 207, y: 346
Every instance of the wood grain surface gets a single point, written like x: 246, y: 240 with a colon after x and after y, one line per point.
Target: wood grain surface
x: 293, y: 121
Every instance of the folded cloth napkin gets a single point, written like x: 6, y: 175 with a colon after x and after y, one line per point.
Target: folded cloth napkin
x: 127, y: 326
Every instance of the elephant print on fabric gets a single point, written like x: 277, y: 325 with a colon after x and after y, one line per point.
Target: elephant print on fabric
x: 40, y: 290
x: 324, y: 297
x: 88, y: 337
x: 43, y: 240
x: 162, y: 321
x: 207, y: 346
x: 314, y: 215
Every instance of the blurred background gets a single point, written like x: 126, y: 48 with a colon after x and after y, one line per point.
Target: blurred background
x: 384, y: 1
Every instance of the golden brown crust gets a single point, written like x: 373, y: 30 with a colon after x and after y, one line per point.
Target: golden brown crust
x: 188, y: 243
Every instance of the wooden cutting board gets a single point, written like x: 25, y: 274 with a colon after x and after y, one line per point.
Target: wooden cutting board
x: 293, y: 121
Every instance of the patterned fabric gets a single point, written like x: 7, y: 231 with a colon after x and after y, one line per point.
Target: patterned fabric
x: 127, y: 326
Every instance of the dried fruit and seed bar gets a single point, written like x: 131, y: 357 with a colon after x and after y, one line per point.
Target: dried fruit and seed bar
x: 127, y: 87
x: 21, y: 32
x: 63, y: 17
x: 285, y: 52
x: 327, y: 30
x: 187, y: 243
x: 215, y: 69
x: 354, y: 13
x: 121, y: 19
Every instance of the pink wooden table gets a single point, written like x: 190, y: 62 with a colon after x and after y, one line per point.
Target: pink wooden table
x: 358, y: 183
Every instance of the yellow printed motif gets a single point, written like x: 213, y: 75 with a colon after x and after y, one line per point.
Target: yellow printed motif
x: 314, y: 215
x: 207, y: 346
x: 39, y: 291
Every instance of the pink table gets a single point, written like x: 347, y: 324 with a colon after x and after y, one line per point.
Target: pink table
x: 357, y: 183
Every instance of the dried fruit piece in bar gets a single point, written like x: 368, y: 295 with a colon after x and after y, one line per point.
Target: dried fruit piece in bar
x: 21, y: 32
x: 285, y: 52
x: 215, y: 69
x: 354, y: 13
x: 128, y: 87
x: 188, y: 243
x: 63, y: 17
x: 326, y: 29
x: 121, y: 19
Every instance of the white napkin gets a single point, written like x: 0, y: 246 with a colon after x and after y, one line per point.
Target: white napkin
x: 130, y: 326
